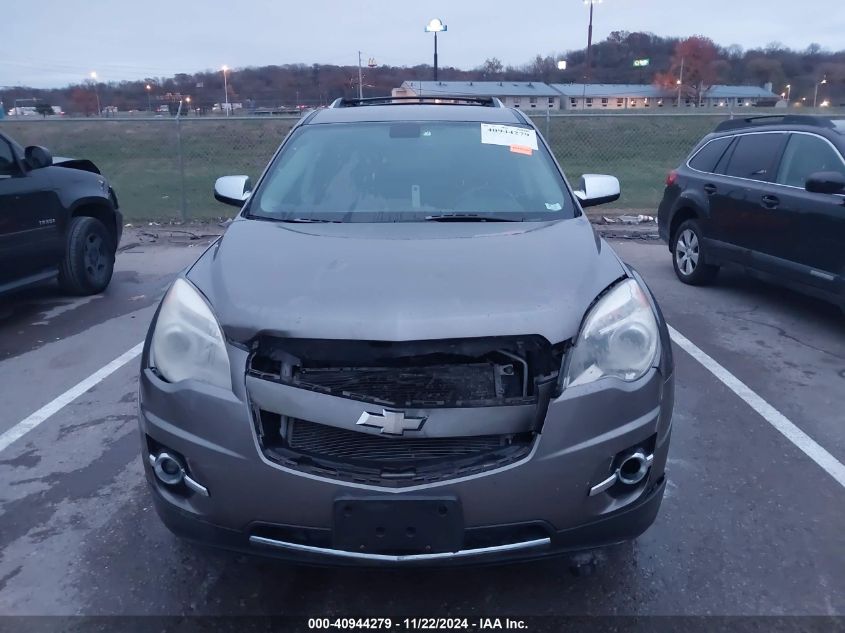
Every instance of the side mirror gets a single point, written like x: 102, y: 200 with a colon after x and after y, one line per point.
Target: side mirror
x: 37, y: 157
x: 825, y: 182
x: 232, y: 190
x: 596, y: 189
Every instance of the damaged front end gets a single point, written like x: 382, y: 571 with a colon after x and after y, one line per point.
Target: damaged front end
x: 473, y: 404
x: 82, y: 164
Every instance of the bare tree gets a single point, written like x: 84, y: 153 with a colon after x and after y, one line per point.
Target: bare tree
x: 492, y: 67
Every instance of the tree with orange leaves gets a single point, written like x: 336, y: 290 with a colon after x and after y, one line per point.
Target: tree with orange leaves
x: 695, y: 58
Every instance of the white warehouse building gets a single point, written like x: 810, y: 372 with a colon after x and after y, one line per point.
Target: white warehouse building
x: 641, y: 96
x: 526, y: 95
x: 538, y: 96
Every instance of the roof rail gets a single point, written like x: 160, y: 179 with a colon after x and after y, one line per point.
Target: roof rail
x: 490, y: 102
x: 775, y: 119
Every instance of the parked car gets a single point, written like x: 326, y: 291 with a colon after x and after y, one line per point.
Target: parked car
x: 409, y: 347
x: 767, y: 193
x: 59, y: 218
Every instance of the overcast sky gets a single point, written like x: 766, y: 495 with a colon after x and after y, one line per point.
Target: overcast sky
x: 49, y: 43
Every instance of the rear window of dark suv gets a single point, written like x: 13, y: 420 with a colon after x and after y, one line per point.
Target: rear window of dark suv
x: 750, y: 155
x: 754, y: 155
x: 708, y: 156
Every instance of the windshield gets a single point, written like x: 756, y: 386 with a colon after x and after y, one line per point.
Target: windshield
x: 391, y: 172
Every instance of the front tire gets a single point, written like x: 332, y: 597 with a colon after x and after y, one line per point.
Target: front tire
x: 88, y: 262
x: 689, y: 257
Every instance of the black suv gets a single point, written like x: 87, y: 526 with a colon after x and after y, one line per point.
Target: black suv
x: 58, y: 218
x: 767, y: 193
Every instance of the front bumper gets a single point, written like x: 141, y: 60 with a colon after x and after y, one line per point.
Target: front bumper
x: 623, y: 525
x: 540, y: 505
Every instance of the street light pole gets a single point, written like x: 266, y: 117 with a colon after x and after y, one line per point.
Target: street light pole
x: 788, y: 93
x: 816, y: 95
x: 590, y: 41
x: 435, y: 26
x: 149, y: 99
x: 96, y: 92
x: 226, y: 89
x: 681, y: 81
x: 589, y: 72
x: 435, y: 56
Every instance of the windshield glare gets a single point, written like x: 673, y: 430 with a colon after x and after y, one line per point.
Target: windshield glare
x: 389, y: 172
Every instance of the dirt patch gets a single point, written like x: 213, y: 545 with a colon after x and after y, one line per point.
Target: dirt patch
x: 169, y: 234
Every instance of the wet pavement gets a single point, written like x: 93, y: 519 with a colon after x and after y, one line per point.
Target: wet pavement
x: 750, y: 525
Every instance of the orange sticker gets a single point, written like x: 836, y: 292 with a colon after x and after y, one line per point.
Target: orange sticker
x: 521, y: 149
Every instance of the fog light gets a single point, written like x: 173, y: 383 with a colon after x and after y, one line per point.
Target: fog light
x: 634, y: 468
x: 170, y: 471
x: 631, y: 471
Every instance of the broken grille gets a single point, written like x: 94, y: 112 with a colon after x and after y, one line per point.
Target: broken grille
x: 433, y: 385
x: 418, y: 374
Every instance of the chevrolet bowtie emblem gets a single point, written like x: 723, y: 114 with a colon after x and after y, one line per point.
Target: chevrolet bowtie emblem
x: 390, y: 422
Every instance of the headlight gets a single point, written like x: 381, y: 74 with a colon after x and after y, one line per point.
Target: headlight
x: 187, y: 341
x: 619, y: 338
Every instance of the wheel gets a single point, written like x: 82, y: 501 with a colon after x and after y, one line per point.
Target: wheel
x: 689, y: 257
x: 88, y: 262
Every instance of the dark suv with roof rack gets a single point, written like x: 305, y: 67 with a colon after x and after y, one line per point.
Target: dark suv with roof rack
x: 767, y: 193
x: 409, y: 347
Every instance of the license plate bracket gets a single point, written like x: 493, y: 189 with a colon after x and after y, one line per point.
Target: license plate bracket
x: 398, y: 526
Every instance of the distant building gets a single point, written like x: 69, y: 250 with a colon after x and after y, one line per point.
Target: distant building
x: 24, y: 111
x: 526, y: 95
x: 640, y: 96
x: 740, y: 96
x: 534, y: 96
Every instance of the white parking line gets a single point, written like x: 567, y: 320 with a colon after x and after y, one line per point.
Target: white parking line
x: 33, y: 420
x: 804, y: 442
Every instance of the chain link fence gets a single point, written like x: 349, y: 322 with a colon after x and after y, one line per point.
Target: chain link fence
x: 639, y: 149
x: 164, y: 169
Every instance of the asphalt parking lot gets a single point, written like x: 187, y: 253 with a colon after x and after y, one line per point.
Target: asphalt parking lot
x: 752, y: 522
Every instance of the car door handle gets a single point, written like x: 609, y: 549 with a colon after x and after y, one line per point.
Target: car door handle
x: 770, y: 202
x: 710, y: 189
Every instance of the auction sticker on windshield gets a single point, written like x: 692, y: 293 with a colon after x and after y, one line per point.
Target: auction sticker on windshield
x: 508, y: 135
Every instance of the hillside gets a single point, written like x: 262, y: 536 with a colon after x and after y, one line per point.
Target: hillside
x: 318, y: 84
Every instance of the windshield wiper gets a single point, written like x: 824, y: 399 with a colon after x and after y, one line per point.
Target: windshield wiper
x: 468, y: 217
x: 311, y: 221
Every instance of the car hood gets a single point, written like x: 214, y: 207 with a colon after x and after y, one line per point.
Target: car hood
x: 82, y: 164
x: 405, y: 281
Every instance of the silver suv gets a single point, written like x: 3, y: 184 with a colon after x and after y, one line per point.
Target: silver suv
x: 409, y: 347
